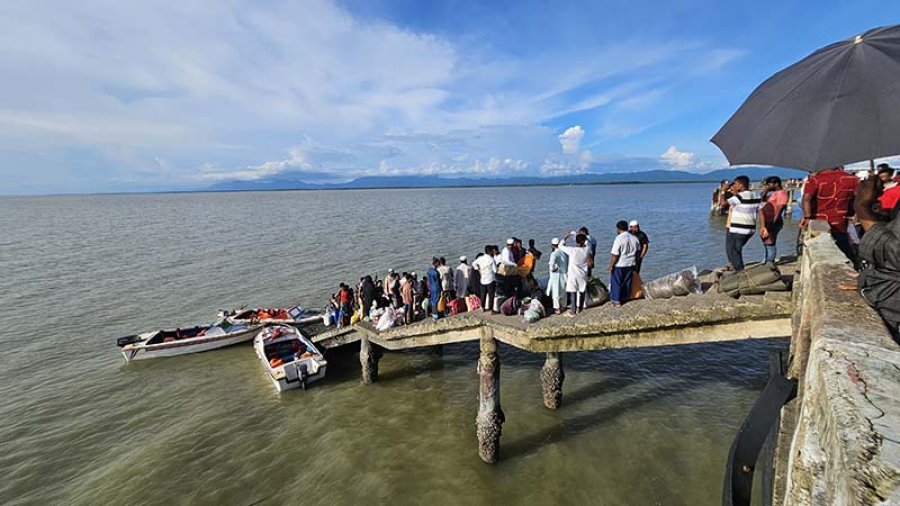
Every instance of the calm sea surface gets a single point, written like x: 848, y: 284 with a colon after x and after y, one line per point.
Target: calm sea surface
x: 79, y: 426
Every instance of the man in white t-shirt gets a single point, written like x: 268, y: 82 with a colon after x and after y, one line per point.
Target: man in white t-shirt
x: 622, y: 260
x: 486, y: 268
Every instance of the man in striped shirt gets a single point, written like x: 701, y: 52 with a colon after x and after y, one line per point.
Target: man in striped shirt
x: 742, y: 213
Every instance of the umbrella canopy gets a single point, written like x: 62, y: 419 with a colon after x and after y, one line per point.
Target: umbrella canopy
x: 839, y: 105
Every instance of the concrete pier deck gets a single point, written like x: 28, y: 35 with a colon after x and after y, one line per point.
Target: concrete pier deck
x: 697, y: 318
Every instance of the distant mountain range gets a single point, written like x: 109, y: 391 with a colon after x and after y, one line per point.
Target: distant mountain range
x: 287, y: 182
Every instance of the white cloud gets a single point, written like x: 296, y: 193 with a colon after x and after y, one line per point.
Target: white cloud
x: 676, y: 158
x: 209, y: 91
x: 571, y: 139
x: 297, y: 160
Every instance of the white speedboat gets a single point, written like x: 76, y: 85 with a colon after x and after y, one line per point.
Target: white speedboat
x: 168, y: 343
x: 288, y: 357
x: 295, y: 315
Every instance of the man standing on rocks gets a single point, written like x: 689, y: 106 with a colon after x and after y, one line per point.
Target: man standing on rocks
x: 742, y: 214
x: 635, y: 228
x: 771, y: 215
x: 622, y: 259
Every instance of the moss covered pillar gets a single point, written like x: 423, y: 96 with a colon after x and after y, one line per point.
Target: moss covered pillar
x: 489, y: 422
x: 552, y: 377
x: 369, y: 354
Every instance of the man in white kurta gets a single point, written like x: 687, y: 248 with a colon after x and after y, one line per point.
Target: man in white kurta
x: 464, y: 272
x: 577, y: 272
x: 556, y: 287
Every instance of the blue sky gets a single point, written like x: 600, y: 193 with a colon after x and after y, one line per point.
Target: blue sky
x: 130, y: 96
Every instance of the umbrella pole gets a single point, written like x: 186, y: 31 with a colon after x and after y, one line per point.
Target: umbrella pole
x: 872, y: 165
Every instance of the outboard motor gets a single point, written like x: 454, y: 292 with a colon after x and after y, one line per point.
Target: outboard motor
x: 126, y: 340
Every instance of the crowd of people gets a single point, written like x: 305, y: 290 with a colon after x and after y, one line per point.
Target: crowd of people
x: 827, y: 195
x: 860, y: 210
x: 494, y: 276
x: 852, y: 205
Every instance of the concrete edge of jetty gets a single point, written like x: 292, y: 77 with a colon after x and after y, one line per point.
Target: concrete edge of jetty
x: 839, y: 440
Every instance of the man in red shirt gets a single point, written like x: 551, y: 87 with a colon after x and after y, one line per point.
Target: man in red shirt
x: 828, y: 195
x: 888, y: 199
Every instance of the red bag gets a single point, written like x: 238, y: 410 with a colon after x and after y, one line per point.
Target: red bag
x: 457, y: 306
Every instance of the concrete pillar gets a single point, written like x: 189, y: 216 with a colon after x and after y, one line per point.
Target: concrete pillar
x: 552, y: 377
x: 489, y: 422
x: 369, y: 354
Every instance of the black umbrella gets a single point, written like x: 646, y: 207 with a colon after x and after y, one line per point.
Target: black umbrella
x: 838, y: 105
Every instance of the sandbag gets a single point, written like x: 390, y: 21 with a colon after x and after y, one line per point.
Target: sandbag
x: 750, y: 280
x: 597, y: 293
x: 677, y: 284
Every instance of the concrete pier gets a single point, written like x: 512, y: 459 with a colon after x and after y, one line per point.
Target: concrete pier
x: 839, y: 440
x: 489, y: 422
x: 552, y: 377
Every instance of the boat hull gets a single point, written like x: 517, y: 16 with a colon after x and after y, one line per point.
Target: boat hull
x: 297, y: 373
x: 186, y: 346
x: 283, y: 384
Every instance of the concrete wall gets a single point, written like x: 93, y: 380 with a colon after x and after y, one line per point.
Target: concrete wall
x: 840, y: 439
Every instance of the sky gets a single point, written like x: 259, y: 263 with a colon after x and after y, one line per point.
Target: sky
x: 104, y: 95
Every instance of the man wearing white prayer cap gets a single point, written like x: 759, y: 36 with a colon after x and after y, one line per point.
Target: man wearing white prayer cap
x: 463, y: 277
x: 635, y: 228
x: 506, y: 256
x: 556, y: 286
